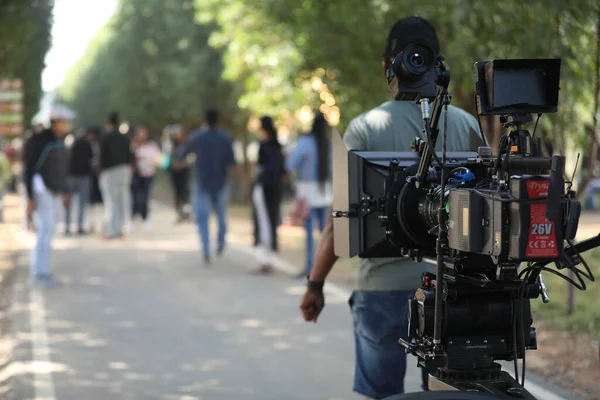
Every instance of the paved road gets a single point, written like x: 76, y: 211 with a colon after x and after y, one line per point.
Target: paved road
x: 144, y: 319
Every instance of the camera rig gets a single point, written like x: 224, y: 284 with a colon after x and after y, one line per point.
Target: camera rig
x: 490, y: 223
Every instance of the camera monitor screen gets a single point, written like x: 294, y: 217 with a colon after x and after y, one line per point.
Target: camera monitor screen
x: 520, y: 86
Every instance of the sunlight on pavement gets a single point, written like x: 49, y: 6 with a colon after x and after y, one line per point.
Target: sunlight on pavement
x: 281, y: 345
x: 33, y: 367
x: 118, y: 365
x: 275, y: 332
x: 251, y: 323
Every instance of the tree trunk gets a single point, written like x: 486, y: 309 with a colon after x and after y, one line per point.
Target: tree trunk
x: 570, y: 295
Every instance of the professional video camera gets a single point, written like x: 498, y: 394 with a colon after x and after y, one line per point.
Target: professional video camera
x: 490, y: 223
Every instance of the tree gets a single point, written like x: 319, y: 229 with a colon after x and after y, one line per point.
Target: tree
x: 346, y: 37
x: 24, y: 41
x: 152, y: 62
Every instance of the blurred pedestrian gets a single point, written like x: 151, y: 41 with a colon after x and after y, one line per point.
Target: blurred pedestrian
x: 311, y: 159
x: 29, y: 133
x: 180, y: 176
x: 96, y: 213
x: 147, y: 157
x: 213, y: 149
x: 267, y: 194
x: 46, y: 173
x: 80, y: 180
x: 115, y: 177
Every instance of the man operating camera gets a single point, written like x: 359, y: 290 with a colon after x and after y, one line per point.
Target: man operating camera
x: 379, y: 304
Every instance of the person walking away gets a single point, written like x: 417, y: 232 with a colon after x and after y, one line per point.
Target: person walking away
x: 147, y: 157
x: 213, y: 149
x: 46, y: 172
x: 180, y: 176
x: 96, y: 213
x: 80, y: 181
x: 267, y: 193
x: 379, y: 305
x: 115, y: 176
x: 311, y: 160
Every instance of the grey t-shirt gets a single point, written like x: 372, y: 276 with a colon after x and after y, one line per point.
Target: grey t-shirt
x: 393, y: 126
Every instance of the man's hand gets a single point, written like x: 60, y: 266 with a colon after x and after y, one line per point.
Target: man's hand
x: 66, y: 199
x: 312, y: 304
x: 30, y: 207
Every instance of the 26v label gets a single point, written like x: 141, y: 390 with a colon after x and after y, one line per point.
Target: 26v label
x: 541, y: 229
x: 542, y: 236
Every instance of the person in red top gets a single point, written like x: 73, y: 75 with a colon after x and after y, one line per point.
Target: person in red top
x: 147, y: 156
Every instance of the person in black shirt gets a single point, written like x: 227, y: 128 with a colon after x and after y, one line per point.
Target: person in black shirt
x: 46, y: 173
x: 96, y: 221
x: 180, y: 177
x: 267, y: 193
x: 115, y: 176
x: 80, y: 180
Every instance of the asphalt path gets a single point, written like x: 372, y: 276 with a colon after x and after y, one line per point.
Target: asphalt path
x: 143, y: 318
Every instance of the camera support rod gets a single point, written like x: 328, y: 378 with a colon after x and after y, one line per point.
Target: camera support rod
x: 431, y: 129
x: 442, y: 99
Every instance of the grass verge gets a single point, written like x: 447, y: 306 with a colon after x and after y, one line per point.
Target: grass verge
x: 585, y: 317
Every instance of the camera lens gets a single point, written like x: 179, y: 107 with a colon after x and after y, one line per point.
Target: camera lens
x: 413, y: 62
x: 416, y: 60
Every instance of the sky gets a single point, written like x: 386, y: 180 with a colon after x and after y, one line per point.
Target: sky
x: 75, y: 24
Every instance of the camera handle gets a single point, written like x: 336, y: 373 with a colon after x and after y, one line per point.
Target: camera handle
x: 433, y: 112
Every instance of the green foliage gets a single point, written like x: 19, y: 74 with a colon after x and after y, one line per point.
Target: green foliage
x: 153, y: 64
x: 586, y: 316
x: 347, y: 38
x: 24, y: 41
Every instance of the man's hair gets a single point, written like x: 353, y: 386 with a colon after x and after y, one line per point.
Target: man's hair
x: 412, y: 29
x: 113, y: 118
x: 212, y: 117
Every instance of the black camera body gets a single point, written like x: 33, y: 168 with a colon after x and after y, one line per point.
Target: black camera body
x: 414, y: 75
x: 475, y: 215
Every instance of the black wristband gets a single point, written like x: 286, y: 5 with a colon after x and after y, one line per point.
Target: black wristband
x: 312, y: 285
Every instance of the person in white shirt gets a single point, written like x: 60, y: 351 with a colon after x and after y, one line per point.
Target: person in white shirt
x: 312, y: 161
x: 147, y: 158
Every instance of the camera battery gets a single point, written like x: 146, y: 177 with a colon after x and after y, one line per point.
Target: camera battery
x: 532, y: 236
x: 465, y: 221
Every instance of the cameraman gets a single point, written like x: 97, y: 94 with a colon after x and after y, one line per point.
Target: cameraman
x: 379, y: 304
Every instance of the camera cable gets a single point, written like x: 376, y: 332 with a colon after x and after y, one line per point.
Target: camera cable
x: 535, y: 126
x: 522, y: 328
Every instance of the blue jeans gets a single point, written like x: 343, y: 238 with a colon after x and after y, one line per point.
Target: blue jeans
x: 320, y: 216
x: 203, y: 204
x: 380, y: 318
x: 82, y: 187
x: 141, y: 186
x: 47, y: 210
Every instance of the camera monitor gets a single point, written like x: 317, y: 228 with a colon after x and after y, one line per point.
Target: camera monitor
x: 517, y: 86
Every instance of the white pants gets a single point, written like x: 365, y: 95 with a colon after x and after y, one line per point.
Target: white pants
x: 47, y: 212
x: 115, y: 185
x: 264, y: 253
